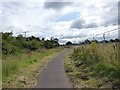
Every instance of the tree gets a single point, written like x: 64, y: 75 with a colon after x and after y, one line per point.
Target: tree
x: 117, y: 40
x: 55, y: 40
x: 6, y: 35
x: 14, y: 45
x: 43, y: 39
x: 69, y: 43
x: 87, y: 41
x: 48, y: 44
x: 111, y: 40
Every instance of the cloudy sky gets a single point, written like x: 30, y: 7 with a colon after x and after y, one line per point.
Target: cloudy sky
x: 68, y: 21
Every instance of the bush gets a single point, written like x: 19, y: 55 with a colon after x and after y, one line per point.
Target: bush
x: 13, y: 45
x: 31, y: 45
x: 9, y: 49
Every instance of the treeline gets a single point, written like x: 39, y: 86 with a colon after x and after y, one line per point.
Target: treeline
x: 103, y: 41
x: 14, y: 45
x: 90, y: 41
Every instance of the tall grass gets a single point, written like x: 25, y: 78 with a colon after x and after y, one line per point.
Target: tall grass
x: 97, y: 61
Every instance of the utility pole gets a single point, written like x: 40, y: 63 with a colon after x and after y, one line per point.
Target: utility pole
x: 104, y: 37
x: 25, y: 32
x: 93, y: 38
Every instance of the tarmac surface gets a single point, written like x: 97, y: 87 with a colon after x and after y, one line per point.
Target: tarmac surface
x: 53, y: 76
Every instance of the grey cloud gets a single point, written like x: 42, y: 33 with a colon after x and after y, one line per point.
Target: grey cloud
x: 79, y: 23
x: 71, y: 36
x: 108, y: 16
x: 90, y: 25
x: 111, y: 20
x: 56, y: 5
x: 107, y: 20
x: 111, y: 17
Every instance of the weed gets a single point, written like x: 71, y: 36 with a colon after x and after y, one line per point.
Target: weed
x: 100, y: 60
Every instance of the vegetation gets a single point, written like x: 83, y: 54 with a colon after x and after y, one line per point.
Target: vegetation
x: 94, y: 65
x: 22, y: 70
x: 14, y: 45
x: 24, y: 57
x: 91, y: 65
x: 69, y: 43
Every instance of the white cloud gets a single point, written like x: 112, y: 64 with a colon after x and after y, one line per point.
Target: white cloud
x: 95, y: 17
x: 96, y: 13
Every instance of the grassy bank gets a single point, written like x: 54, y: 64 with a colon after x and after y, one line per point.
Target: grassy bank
x: 0, y: 73
x: 22, y: 70
x: 94, y: 65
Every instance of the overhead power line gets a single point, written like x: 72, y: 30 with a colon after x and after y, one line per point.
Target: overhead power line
x: 103, y: 33
x: 107, y: 31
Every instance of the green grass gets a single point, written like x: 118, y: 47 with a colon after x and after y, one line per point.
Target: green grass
x: 94, y: 65
x: 25, y: 66
x: 0, y: 74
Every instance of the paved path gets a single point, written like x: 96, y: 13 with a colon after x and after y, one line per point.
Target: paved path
x: 54, y: 75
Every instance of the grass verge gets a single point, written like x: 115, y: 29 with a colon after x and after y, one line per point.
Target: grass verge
x: 94, y: 66
x: 22, y: 71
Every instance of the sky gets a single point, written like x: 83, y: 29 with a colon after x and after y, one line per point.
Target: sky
x: 71, y: 20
